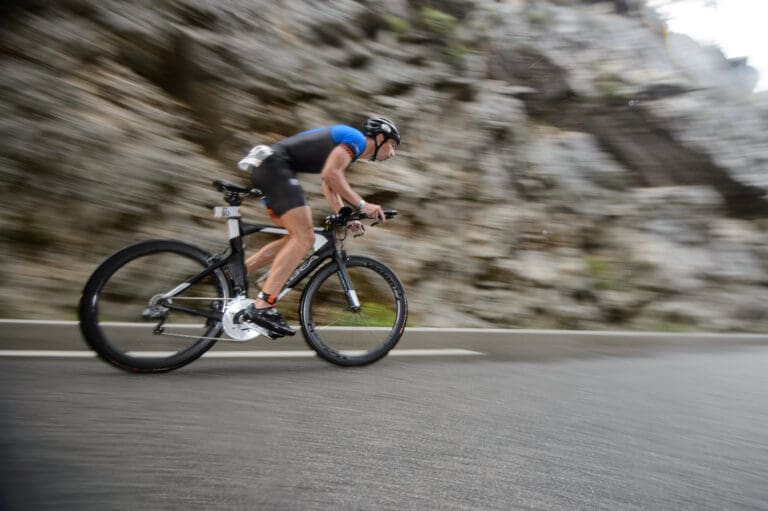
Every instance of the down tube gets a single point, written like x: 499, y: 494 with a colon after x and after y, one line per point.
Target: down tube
x: 309, y: 265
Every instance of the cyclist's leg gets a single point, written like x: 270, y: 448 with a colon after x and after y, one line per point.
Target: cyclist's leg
x: 266, y: 255
x: 300, y: 239
x: 287, y: 201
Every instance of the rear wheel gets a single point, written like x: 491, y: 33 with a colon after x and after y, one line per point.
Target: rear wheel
x: 125, y: 321
x: 347, y: 335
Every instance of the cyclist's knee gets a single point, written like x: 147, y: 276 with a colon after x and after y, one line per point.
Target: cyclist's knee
x: 306, y: 239
x: 303, y: 239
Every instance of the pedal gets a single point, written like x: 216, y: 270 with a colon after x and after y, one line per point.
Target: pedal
x: 240, y: 329
x: 263, y: 331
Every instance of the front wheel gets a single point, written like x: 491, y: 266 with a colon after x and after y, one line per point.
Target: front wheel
x: 342, y: 332
x: 151, y: 307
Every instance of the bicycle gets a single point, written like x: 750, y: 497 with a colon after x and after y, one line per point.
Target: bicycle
x: 147, y: 299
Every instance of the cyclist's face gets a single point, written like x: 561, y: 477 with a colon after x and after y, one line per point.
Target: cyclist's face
x: 387, y: 150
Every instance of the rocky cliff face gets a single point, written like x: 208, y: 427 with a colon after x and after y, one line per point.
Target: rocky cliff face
x: 563, y: 165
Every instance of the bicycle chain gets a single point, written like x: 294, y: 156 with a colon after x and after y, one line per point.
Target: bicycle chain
x: 197, y: 337
x: 162, y: 332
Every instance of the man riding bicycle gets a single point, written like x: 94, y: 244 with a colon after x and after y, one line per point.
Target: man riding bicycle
x: 327, y: 151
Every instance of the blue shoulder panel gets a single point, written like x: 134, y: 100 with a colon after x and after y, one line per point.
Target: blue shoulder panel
x: 341, y: 134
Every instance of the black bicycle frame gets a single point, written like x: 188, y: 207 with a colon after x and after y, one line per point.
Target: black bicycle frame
x: 325, y: 250
x: 234, y: 264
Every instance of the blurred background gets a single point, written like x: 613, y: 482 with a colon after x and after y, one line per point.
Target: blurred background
x: 565, y: 163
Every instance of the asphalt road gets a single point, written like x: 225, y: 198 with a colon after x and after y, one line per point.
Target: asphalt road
x: 614, y: 428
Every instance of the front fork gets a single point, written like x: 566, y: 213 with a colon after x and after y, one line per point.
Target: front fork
x: 346, y: 282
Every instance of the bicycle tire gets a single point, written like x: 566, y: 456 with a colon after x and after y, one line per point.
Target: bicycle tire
x: 354, y: 338
x: 121, y: 288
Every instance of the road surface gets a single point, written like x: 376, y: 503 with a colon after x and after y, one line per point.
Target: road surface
x: 602, y: 424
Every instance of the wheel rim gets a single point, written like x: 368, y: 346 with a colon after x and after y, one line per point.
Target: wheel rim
x: 351, y: 336
x: 129, y: 291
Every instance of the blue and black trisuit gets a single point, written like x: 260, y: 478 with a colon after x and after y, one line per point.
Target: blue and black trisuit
x: 304, y: 152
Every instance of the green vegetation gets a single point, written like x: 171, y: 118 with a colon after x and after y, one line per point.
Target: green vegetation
x: 608, y: 88
x: 597, y: 267
x: 609, y: 84
x: 444, y: 26
x: 673, y: 327
x: 439, y: 22
x: 539, y: 18
x: 456, y: 54
x: 603, y: 273
x: 397, y: 25
x: 371, y: 315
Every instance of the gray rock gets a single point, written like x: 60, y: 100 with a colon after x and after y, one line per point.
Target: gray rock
x: 561, y: 165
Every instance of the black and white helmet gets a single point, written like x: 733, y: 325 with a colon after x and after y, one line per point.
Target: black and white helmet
x: 375, y: 125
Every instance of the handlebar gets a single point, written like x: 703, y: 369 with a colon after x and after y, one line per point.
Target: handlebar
x: 347, y: 214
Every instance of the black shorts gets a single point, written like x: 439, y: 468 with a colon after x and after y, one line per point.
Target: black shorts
x: 277, y: 180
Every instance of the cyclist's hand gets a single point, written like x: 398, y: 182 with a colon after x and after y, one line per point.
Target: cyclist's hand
x: 357, y: 228
x: 373, y: 211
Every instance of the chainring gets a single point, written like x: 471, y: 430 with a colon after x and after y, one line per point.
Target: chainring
x: 240, y: 331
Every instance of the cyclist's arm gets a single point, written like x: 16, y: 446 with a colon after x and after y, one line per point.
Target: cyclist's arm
x: 336, y: 188
x: 334, y: 199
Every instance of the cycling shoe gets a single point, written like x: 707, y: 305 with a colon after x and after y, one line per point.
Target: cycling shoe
x: 268, y: 318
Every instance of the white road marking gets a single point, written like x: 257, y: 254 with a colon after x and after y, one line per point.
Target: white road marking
x: 47, y: 353
x: 236, y: 354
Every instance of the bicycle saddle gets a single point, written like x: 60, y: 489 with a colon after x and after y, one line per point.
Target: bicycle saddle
x: 225, y: 187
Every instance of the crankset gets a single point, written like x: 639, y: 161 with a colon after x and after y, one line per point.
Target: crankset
x: 241, y: 331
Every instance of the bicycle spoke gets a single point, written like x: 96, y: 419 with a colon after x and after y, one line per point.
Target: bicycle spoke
x: 348, y: 337
x: 127, y: 320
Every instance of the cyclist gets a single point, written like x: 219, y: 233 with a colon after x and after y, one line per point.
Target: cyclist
x: 327, y: 151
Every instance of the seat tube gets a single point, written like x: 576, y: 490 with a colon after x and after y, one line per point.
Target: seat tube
x: 237, y: 264
x: 233, y: 227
